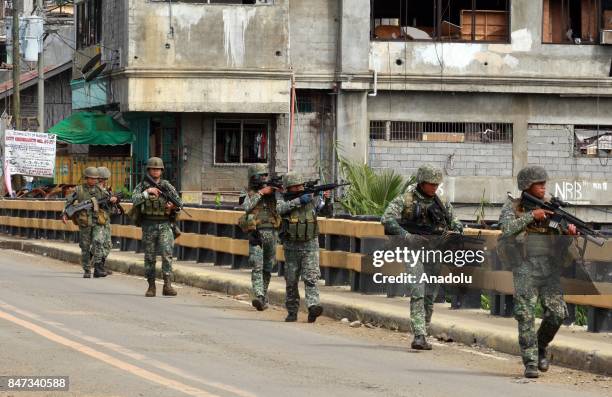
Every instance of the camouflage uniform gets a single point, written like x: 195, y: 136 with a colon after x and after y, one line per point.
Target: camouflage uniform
x: 262, y: 228
x: 157, y: 235
x: 528, y: 246
x: 300, y: 238
x: 104, y: 232
x: 403, y: 207
x: 89, y: 241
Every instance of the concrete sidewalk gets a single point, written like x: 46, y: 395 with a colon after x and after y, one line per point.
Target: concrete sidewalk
x: 573, y: 346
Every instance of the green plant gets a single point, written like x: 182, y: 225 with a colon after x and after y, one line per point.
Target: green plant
x: 480, y: 211
x: 370, y: 192
x: 581, y: 315
x: 485, y: 303
x: 218, y: 199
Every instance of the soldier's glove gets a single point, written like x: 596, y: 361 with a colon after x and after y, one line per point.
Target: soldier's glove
x: 305, y: 199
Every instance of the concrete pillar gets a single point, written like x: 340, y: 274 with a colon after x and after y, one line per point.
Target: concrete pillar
x: 352, y: 125
x: 520, y: 113
x: 355, y: 36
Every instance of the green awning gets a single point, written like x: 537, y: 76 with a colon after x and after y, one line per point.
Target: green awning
x: 93, y: 129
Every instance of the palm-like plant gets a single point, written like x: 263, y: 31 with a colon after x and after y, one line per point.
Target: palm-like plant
x: 370, y: 192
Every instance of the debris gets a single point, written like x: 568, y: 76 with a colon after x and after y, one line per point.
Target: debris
x: 371, y: 326
x: 345, y: 320
x: 355, y: 324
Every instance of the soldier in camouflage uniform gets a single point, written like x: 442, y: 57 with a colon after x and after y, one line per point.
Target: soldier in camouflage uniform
x: 104, y: 232
x: 300, y: 238
x: 154, y: 214
x: 89, y: 221
x: 261, y: 222
x: 527, y: 244
x: 422, y: 207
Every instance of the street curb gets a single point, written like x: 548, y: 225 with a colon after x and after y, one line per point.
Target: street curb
x: 506, y: 342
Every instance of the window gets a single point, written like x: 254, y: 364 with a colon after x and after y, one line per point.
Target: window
x: 593, y: 140
x: 417, y: 131
x: 89, y: 23
x: 378, y: 129
x: 575, y: 21
x: 447, y: 20
x: 241, y: 141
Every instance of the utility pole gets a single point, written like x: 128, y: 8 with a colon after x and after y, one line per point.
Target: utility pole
x: 16, y: 65
x: 41, y: 74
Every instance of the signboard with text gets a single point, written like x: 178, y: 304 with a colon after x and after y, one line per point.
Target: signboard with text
x: 30, y: 153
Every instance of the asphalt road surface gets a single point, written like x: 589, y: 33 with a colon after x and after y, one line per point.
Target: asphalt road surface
x: 112, y: 341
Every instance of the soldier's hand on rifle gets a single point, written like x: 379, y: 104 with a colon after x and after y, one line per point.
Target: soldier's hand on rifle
x: 113, y: 199
x: 170, y: 205
x: 327, y: 194
x: 541, y: 214
x: 266, y: 190
x: 571, y: 230
x: 153, y: 190
x: 64, y: 219
x: 305, y: 198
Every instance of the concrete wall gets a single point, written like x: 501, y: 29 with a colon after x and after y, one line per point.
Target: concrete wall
x: 456, y: 159
x: 208, y: 36
x: 312, y: 145
x: 313, y: 24
x: 552, y: 146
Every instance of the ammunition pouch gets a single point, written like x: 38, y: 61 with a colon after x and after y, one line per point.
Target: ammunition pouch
x: 102, y: 218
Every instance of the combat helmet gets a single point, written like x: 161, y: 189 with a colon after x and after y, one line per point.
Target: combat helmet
x: 91, y: 172
x: 429, y: 174
x: 257, y: 170
x: 293, y: 179
x: 104, y: 173
x: 530, y: 175
x: 155, y: 162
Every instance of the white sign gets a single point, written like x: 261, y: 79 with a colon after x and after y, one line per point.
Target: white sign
x: 30, y: 153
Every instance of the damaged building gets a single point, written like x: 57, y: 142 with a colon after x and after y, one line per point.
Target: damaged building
x: 479, y: 88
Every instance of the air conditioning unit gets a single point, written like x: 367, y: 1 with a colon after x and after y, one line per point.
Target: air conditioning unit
x: 606, y: 36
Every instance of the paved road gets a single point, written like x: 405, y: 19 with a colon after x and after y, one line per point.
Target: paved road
x: 111, y: 340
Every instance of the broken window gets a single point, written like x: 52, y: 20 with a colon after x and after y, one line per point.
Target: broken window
x: 575, y: 21
x: 241, y: 141
x: 593, y: 140
x: 447, y: 20
x: 88, y: 23
x: 434, y: 131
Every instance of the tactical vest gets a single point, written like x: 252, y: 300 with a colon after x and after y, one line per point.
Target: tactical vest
x: 301, y: 224
x: 420, y: 212
x: 538, y: 236
x: 86, y: 218
x: 153, y: 208
x: 84, y: 193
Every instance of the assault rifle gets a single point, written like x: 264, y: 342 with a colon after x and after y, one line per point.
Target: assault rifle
x: 442, y: 237
x: 166, y: 194
x: 560, y: 219
x: 275, y: 182
x: 311, y: 187
x: 89, y: 204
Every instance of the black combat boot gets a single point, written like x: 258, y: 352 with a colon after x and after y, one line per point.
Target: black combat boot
x: 259, y: 303
x: 420, y: 343
x: 543, y: 363
x: 168, y: 290
x: 106, y: 270
x: 152, y: 290
x: 531, y: 371
x: 314, y: 311
x: 99, y: 271
x: 86, y: 273
x: 291, y: 317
